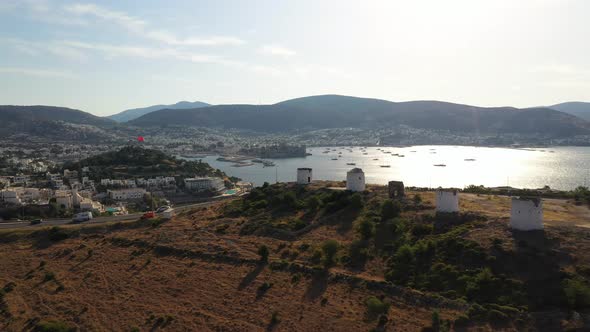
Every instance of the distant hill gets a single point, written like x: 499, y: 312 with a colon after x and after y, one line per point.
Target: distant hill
x: 334, y: 111
x: 579, y: 109
x: 136, y: 161
x: 58, y: 123
x: 134, y: 113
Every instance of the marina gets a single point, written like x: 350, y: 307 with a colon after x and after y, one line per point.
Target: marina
x: 565, y: 168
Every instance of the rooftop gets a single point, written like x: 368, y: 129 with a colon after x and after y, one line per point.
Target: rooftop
x: 356, y: 170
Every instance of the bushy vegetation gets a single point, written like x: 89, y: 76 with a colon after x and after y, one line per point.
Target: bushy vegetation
x: 376, y: 307
x: 56, y: 234
x: 580, y: 195
x: 424, y: 251
x: 53, y: 326
x: 263, y: 252
x: 329, y: 250
x: 136, y: 161
x: 291, y: 208
x: 577, y: 293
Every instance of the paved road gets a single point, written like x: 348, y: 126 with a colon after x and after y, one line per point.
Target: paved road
x: 97, y: 220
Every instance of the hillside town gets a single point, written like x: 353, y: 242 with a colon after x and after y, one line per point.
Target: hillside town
x: 42, y: 186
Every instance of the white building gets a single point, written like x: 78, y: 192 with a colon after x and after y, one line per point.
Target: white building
x: 526, y: 213
x: 10, y: 196
x: 5, y: 180
x: 447, y: 201
x: 53, y: 177
x: 30, y: 194
x: 208, y: 183
x: 70, y: 174
x: 57, y: 183
x: 90, y: 205
x: 355, y: 180
x: 21, y: 179
x: 304, y: 175
x: 127, y: 194
x: 64, y: 199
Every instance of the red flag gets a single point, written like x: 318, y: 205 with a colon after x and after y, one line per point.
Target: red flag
x: 140, y: 138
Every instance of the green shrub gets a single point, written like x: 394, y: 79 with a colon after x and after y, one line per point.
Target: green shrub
x: 390, y: 209
x: 48, y: 276
x: 417, y: 199
x: 402, y: 265
x: 53, y: 326
x: 278, y: 266
x: 356, y: 201
x: 435, y: 320
x: 313, y: 203
x: 329, y: 249
x: 9, y: 287
x: 296, y: 224
x: 263, y: 252
x: 304, y: 247
x: 477, y: 312
x: 421, y: 230
x: 264, y: 287
x: 376, y: 307
x: 274, y: 318
x: 57, y: 234
x: 358, y: 253
x: 461, y: 321
x: 295, y: 278
x: 577, y: 293
x: 261, y: 204
x: 366, y: 228
x: 497, y: 316
x: 316, y: 257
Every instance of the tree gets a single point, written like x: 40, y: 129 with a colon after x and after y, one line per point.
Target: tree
x: 313, y: 203
x: 366, y: 228
x: 356, y: 201
x: 330, y: 248
x: 376, y: 307
x: 263, y: 252
x: 417, y: 199
x: 390, y: 209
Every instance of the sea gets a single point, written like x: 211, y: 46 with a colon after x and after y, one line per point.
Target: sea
x: 432, y: 166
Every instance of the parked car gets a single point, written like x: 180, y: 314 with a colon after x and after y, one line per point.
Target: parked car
x: 162, y: 208
x: 82, y: 216
x: 36, y: 221
x: 148, y: 215
x: 168, y: 213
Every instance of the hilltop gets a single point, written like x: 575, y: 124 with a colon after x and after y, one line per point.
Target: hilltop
x: 136, y: 161
x: 57, y: 123
x: 304, y: 258
x: 334, y: 111
x: 134, y: 113
x: 579, y: 109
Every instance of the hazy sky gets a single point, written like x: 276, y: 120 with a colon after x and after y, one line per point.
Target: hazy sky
x: 107, y: 56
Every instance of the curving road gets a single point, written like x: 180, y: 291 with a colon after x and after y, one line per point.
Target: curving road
x: 96, y: 220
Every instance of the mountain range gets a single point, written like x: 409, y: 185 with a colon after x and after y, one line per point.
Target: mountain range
x: 56, y: 123
x: 134, y: 113
x: 335, y: 111
x: 297, y: 116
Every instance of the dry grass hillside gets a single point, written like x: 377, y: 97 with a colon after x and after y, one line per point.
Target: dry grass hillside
x: 202, y: 270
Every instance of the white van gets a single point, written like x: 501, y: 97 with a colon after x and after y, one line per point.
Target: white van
x: 82, y: 216
x: 168, y: 213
